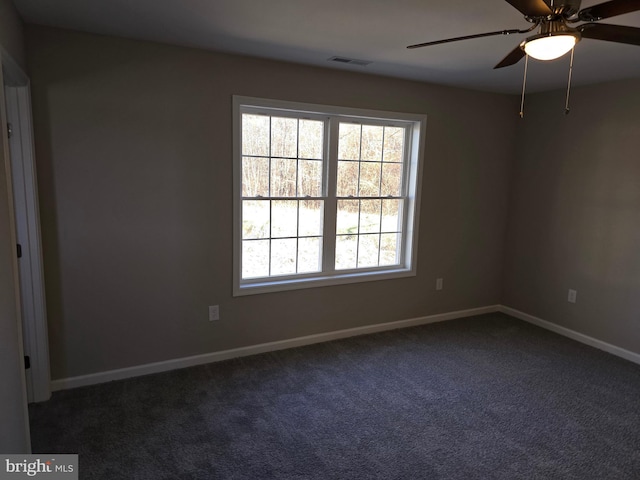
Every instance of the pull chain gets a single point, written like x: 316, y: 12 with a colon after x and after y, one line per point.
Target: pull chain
x: 524, y: 84
x: 566, y: 105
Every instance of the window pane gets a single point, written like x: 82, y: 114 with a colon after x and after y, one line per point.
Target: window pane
x: 283, y: 177
x: 372, y: 143
x: 284, y: 218
x: 283, y: 256
x: 284, y: 135
x: 389, y: 253
x: 369, y: 216
x: 347, y: 179
x: 255, y: 258
x: 311, y: 139
x: 346, y: 251
x: 370, y: 179
x: 393, y: 144
x: 255, y: 177
x: 255, y: 135
x: 391, y: 215
x: 255, y: 219
x: 349, y: 141
x: 286, y: 189
x: 310, y: 218
x: 309, y: 254
x: 347, y: 217
x: 368, y: 250
x: 310, y: 178
x: 391, y: 179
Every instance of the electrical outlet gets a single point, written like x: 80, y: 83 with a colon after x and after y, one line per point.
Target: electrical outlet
x: 439, y: 283
x: 214, y: 313
x: 571, y: 298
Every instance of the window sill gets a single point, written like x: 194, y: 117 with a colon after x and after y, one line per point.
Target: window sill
x: 271, y: 285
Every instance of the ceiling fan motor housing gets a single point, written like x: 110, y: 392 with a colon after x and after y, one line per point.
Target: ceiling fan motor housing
x: 555, y: 26
x: 561, y: 9
x: 566, y: 8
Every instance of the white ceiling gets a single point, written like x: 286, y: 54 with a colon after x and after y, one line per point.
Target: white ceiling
x: 311, y: 31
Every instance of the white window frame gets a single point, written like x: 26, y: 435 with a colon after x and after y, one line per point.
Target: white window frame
x: 415, y: 142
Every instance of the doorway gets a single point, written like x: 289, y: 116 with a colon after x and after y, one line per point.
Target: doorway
x: 27, y: 219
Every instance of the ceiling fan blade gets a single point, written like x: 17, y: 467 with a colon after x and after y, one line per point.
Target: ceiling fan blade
x: 610, y: 33
x: 512, y: 58
x: 531, y: 8
x: 466, y: 37
x: 609, y: 9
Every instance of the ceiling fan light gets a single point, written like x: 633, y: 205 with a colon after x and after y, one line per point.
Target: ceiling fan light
x: 550, y: 47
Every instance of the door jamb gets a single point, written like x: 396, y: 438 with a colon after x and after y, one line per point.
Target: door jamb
x: 27, y: 219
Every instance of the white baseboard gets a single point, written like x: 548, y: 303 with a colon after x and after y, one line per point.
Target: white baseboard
x: 580, y: 337
x: 157, y: 367
x: 174, y: 364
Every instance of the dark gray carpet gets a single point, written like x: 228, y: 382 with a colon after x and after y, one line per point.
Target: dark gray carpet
x: 487, y: 397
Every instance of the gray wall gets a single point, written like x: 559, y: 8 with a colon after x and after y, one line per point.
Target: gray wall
x: 133, y: 145
x: 11, y: 32
x: 14, y: 436
x: 574, y: 218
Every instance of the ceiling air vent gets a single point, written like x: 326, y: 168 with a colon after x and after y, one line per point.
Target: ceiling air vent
x: 350, y: 61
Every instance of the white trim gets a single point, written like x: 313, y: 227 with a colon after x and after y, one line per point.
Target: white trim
x: 335, y: 110
x: 572, y: 334
x: 236, y: 127
x: 178, y: 363
x: 273, y: 284
x: 174, y: 364
x: 415, y: 125
x: 11, y: 74
x: 28, y: 235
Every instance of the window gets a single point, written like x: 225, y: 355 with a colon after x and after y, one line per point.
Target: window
x: 323, y: 195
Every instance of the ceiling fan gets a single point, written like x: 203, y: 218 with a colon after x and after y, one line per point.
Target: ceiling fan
x: 556, y: 35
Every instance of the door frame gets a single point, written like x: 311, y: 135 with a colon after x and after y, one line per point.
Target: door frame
x: 27, y: 222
